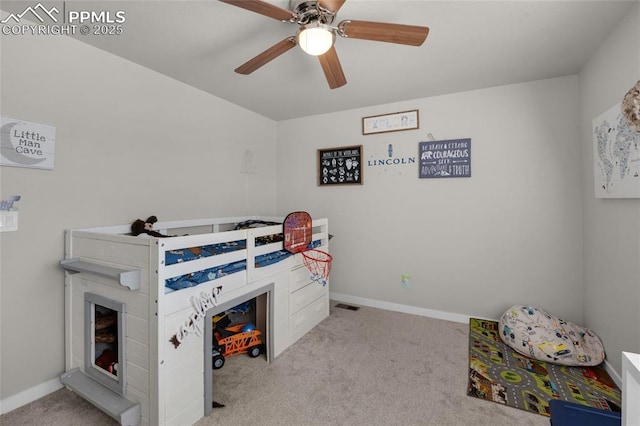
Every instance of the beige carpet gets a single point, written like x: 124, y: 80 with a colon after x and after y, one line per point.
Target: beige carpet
x: 365, y: 367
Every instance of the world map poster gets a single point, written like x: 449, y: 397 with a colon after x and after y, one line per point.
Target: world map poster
x: 616, y: 156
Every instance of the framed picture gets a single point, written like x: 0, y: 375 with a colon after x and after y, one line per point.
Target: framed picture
x: 340, y: 166
x: 445, y: 159
x: 394, y: 122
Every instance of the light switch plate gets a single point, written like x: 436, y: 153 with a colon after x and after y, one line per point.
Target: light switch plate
x: 8, y: 221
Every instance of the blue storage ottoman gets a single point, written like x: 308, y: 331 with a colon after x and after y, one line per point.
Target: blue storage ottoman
x: 565, y: 413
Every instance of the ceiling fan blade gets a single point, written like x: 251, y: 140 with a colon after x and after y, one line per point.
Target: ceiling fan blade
x: 332, y: 5
x: 263, y: 8
x: 267, y: 56
x: 332, y: 68
x: 379, y: 31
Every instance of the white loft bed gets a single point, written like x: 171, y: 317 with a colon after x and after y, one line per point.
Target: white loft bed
x: 162, y: 376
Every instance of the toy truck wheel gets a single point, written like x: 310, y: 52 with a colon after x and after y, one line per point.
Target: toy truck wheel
x: 255, y: 351
x: 218, y: 361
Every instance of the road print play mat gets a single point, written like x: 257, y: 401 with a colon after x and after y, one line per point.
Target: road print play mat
x: 497, y: 373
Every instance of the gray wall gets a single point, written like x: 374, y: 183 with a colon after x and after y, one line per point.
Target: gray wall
x: 512, y: 233
x: 611, y: 226
x: 129, y: 143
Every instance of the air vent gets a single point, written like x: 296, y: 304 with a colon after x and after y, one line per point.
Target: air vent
x: 350, y: 307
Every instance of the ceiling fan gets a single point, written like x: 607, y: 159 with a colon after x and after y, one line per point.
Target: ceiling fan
x: 316, y: 34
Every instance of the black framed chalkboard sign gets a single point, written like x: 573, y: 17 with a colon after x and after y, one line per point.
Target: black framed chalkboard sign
x: 340, y: 166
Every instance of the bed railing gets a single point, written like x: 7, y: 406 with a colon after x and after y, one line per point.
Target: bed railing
x: 252, y: 240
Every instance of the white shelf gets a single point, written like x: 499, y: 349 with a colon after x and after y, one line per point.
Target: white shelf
x: 126, y: 277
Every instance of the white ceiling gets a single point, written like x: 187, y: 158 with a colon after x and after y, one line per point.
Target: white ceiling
x: 471, y: 45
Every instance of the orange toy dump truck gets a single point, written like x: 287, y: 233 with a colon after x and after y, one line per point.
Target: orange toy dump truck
x: 234, y: 340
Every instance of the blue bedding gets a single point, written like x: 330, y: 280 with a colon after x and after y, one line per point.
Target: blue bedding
x: 193, y: 253
x: 199, y: 277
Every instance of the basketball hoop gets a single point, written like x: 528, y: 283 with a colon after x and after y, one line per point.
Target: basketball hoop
x: 297, y: 230
x: 319, y: 264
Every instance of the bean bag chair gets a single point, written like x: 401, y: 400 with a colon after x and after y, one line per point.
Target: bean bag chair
x: 542, y: 336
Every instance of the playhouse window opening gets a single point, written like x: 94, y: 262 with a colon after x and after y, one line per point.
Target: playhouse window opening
x: 104, y: 341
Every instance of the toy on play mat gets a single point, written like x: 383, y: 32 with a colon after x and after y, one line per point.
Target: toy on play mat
x: 298, y: 231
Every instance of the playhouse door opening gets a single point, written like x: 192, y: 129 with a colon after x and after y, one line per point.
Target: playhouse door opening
x: 238, y: 328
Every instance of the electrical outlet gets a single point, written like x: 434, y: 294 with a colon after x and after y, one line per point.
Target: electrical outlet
x: 406, y: 283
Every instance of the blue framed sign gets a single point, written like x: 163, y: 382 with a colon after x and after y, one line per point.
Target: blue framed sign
x: 445, y: 159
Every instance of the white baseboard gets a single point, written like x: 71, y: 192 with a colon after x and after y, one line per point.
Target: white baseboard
x: 29, y: 395
x: 613, y: 373
x: 431, y: 313
x: 39, y: 391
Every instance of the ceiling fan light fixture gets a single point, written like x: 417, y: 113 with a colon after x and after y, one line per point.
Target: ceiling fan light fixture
x: 315, y: 38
